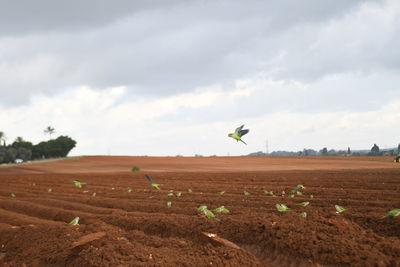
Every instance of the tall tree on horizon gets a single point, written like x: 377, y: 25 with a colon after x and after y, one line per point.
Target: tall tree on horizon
x: 3, y: 138
x: 49, y: 130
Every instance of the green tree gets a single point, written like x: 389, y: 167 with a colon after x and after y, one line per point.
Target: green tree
x: 324, y: 151
x: 49, y: 130
x: 375, y: 150
x: 348, y: 151
x: 3, y: 138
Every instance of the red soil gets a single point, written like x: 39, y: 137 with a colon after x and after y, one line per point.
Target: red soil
x: 118, y: 228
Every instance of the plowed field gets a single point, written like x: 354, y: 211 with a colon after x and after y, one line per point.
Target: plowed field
x: 128, y: 223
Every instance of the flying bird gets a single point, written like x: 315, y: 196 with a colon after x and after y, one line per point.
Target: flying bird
x: 239, y: 132
x: 153, y: 184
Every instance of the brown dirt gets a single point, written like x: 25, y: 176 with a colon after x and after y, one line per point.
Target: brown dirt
x: 118, y: 228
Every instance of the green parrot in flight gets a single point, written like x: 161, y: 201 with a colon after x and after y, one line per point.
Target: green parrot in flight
x: 239, y: 132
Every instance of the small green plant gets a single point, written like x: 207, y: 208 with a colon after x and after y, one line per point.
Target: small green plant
x: 170, y: 194
x: 299, y: 193
x: 129, y: 190
x: 190, y: 191
x: 339, y: 209
x: 300, y: 186
x: 74, y: 222
x: 202, y: 208
x: 49, y: 190
x: 135, y: 169
x: 311, y: 196
x: 85, y: 191
x: 169, y: 204
x: 282, y: 208
x: 13, y: 195
x: 292, y: 195
x: 270, y: 193
x: 304, y: 204
x: 94, y: 194
x: 178, y: 194
x: 392, y: 213
x: 221, y: 192
x: 303, y: 214
x: 209, y: 214
x: 78, y: 184
x: 246, y: 193
x: 221, y: 209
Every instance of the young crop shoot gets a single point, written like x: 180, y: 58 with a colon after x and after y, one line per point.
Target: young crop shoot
x: 221, y: 209
x: 190, y: 191
x: 78, y: 184
x: 135, y: 169
x: 392, y: 213
x: 74, y: 222
x: 13, y: 195
x: 304, y: 204
x: 129, y: 190
x: 221, y: 192
x: 270, y: 193
x: 178, y: 194
x: 292, y: 195
x: 169, y: 204
x: 209, y: 214
x: 153, y: 184
x: 49, y: 190
x: 299, y: 193
x: 246, y: 193
x: 282, y: 208
x: 339, y: 209
x: 311, y: 196
x: 94, y: 194
x: 170, y: 194
x: 303, y: 214
x: 300, y: 186
x: 202, y: 208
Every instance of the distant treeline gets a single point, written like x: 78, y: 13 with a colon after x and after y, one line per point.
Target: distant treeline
x: 23, y: 150
x: 374, y: 151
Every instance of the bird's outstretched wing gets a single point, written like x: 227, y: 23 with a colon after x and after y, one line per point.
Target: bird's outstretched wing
x: 149, y: 179
x: 240, y: 132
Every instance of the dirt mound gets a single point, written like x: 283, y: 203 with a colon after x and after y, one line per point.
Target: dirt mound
x: 128, y: 223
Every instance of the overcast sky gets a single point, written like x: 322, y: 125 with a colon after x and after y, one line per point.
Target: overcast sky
x: 175, y: 77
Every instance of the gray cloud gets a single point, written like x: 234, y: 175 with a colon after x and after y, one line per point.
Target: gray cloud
x: 167, y: 47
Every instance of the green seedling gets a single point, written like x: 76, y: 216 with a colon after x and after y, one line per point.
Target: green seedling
x: 221, y: 209
x: 85, y: 191
x: 94, y: 194
x: 270, y: 193
x: 246, y: 193
x: 153, y: 184
x: 202, y: 208
x: 169, y: 204
x: 339, y: 209
x: 392, y: 213
x: 303, y: 214
x: 282, y: 208
x: 221, y: 192
x: 291, y: 195
x: 13, y: 195
x: 170, y: 194
x: 300, y: 186
x: 304, y: 204
x: 49, y: 190
x: 178, y: 194
x: 135, y: 169
x: 129, y: 190
x: 209, y: 214
x: 299, y: 193
x: 311, y: 196
x: 78, y: 184
x: 74, y: 222
x: 190, y: 191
